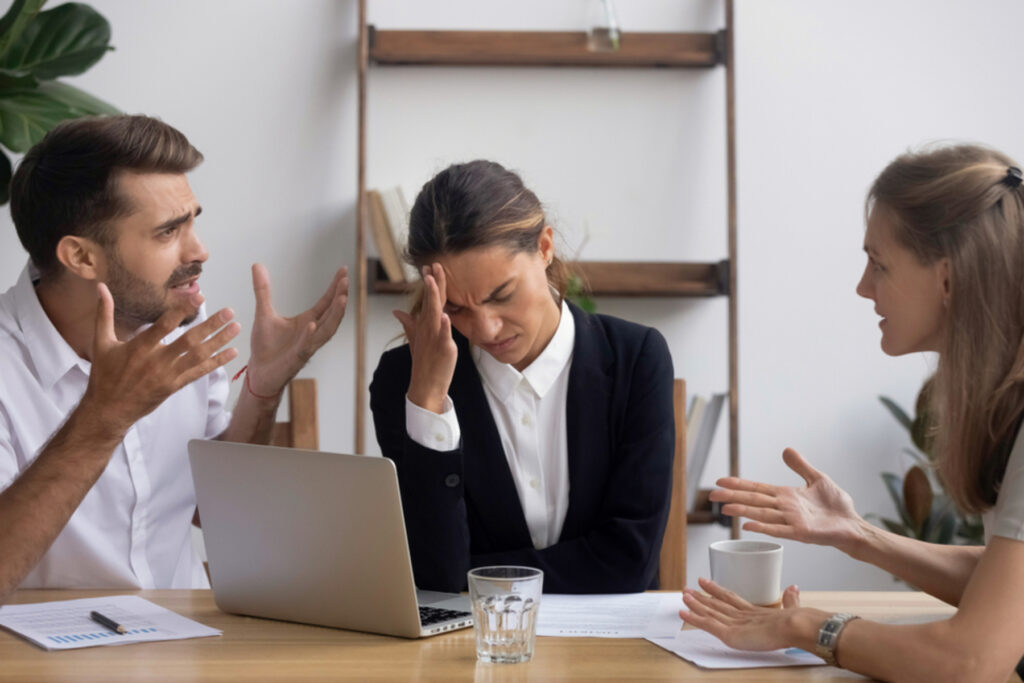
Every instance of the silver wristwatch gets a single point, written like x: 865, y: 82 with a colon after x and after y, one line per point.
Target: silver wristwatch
x: 828, y: 636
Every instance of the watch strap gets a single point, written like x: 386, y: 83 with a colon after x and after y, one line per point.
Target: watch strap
x: 828, y: 636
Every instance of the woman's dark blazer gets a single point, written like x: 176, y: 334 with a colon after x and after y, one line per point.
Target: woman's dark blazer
x: 461, y: 506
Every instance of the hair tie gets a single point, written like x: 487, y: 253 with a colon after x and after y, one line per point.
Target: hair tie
x: 1013, y: 178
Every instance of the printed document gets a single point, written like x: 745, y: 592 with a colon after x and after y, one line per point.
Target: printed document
x: 65, y: 624
x: 630, y: 615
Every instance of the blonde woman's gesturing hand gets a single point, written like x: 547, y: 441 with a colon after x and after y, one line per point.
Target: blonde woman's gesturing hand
x: 819, y: 512
x: 430, y: 342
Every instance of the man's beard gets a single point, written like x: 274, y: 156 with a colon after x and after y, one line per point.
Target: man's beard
x: 138, y: 302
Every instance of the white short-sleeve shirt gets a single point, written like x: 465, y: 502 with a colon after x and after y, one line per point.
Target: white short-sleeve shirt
x: 133, y: 528
x: 1006, y: 517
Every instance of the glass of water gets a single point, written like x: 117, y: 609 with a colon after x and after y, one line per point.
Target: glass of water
x: 505, y: 603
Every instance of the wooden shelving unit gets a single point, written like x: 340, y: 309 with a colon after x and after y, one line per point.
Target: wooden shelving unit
x: 551, y: 49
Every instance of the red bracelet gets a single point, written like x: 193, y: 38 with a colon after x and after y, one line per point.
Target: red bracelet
x: 249, y: 386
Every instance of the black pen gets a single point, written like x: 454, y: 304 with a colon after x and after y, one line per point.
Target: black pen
x: 108, y: 622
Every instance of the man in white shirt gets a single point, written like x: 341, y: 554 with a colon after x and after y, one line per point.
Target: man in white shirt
x: 109, y: 363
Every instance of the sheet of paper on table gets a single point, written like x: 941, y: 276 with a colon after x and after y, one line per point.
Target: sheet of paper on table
x: 631, y: 615
x: 708, y: 652
x: 65, y: 624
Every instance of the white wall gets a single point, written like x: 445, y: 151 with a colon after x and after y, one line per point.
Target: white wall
x: 827, y: 94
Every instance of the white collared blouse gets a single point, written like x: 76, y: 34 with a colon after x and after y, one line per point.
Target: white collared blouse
x: 529, y: 411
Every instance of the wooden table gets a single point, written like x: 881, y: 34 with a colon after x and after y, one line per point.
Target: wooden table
x: 262, y: 650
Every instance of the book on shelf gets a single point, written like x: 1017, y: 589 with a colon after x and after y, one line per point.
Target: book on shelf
x: 701, y: 423
x: 383, y: 238
x: 389, y: 223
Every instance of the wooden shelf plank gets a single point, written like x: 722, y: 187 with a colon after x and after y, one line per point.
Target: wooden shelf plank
x: 542, y: 48
x: 617, y: 278
x: 703, y: 513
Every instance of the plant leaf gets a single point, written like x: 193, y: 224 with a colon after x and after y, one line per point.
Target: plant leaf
x: 971, y: 529
x: 897, y: 412
x: 11, y: 79
x: 941, y: 523
x: 895, y: 527
x: 917, y: 455
x: 895, y: 487
x: 922, y: 432
x: 63, y: 41
x: 27, y: 115
x: 5, y: 178
x: 16, y: 19
x: 917, y: 496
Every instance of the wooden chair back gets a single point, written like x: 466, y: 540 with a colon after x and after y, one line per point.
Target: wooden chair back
x: 672, y: 568
x: 303, y: 428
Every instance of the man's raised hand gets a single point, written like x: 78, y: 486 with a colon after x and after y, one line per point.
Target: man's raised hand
x: 130, y: 379
x: 281, y: 346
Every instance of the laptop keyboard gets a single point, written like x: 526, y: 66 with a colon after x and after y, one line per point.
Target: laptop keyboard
x: 435, y: 615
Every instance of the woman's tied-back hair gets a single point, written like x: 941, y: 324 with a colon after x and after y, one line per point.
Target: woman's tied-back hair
x: 472, y: 205
x: 67, y: 183
x: 960, y: 203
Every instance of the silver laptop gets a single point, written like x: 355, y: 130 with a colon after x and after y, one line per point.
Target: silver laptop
x: 313, y: 537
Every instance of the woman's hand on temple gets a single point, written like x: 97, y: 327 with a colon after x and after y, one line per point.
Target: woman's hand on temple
x: 430, y: 342
x: 819, y: 512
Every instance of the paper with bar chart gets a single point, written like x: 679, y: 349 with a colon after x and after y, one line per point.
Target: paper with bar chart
x: 65, y: 624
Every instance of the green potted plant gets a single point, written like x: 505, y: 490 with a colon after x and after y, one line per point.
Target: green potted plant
x: 925, y: 510
x: 36, y: 48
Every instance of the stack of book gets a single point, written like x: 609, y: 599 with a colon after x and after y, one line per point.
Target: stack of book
x: 389, y: 222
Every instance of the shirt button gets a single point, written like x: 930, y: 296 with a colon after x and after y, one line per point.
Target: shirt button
x: 534, y: 483
x: 439, y: 437
x: 526, y: 420
x: 452, y: 480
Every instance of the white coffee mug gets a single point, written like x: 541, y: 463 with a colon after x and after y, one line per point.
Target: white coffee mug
x: 751, y: 569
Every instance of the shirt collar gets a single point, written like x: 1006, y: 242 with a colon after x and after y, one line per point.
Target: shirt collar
x: 52, y: 356
x: 502, y: 378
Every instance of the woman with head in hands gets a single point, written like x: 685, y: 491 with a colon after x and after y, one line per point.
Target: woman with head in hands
x: 945, y: 270
x: 524, y: 430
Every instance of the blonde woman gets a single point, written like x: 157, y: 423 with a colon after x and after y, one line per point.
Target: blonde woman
x: 945, y: 270
x: 524, y: 430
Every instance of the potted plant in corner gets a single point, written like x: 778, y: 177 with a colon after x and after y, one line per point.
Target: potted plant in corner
x: 926, y: 512
x: 36, y: 48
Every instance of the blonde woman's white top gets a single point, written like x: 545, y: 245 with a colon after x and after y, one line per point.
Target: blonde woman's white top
x: 1006, y: 517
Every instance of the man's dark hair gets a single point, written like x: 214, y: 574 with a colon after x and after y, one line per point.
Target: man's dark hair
x: 67, y: 183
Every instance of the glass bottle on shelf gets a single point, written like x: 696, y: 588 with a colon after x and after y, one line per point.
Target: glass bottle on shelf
x: 602, y: 26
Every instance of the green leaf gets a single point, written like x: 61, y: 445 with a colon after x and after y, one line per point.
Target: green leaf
x: 918, y: 456
x: 63, y: 41
x: 918, y: 498
x: 5, y: 178
x: 27, y: 115
x: 16, y: 19
x: 941, y: 523
x: 895, y: 527
x: 921, y: 433
x: 11, y: 80
x: 894, y: 485
x: 897, y: 412
x: 971, y: 530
